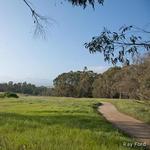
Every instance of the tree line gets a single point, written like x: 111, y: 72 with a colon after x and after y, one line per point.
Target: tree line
x: 25, y: 88
x: 131, y: 82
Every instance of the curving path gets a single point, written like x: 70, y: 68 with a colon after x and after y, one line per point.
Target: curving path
x: 127, y: 124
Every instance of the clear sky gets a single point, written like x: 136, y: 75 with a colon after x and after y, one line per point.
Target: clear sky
x: 23, y: 57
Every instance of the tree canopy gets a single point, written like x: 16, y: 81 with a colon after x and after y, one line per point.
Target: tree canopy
x: 84, y: 3
x: 74, y: 84
x: 120, y: 46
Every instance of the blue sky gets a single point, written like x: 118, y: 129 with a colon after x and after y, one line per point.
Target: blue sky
x: 23, y: 57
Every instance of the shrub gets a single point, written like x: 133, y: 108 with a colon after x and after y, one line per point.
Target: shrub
x: 11, y: 95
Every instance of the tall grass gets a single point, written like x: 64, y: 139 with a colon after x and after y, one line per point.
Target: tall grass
x: 137, y: 109
x: 49, y: 123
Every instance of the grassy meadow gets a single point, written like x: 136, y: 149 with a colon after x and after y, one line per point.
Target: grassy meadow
x: 136, y: 109
x: 51, y: 123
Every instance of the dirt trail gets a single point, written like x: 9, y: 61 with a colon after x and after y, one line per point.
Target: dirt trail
x: 127, y: 124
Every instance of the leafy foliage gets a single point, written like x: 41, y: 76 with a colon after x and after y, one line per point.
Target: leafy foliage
x: 84, y: 3
x: 117, y: 82
x: 103, y: 85
x: 116, y: 46
x: 11, y: 95
x: 74, y: 84
x: 127, y: 82
x: 25, y: 88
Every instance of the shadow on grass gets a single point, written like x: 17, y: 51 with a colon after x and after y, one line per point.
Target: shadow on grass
x: 96, y: 105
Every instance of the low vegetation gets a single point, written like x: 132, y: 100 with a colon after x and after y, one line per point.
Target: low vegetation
x: 45, y: 123
x: 9, y: 95
x: 136, y: 109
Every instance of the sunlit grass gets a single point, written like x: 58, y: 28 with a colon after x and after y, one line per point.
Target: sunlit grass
x: 50, y: 123
x: 137, y: 109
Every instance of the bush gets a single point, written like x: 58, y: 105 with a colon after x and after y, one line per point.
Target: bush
x: 11, y: 95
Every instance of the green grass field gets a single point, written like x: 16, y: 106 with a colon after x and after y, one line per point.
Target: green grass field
x: 49, y: 123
